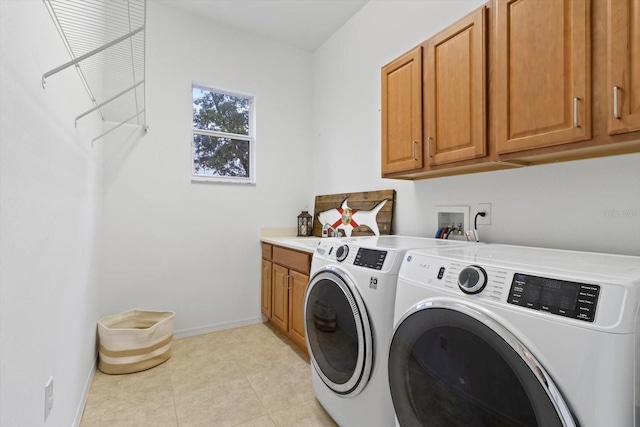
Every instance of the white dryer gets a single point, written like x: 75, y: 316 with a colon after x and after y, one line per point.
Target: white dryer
x: 349, y: 306
x: 498, y: 335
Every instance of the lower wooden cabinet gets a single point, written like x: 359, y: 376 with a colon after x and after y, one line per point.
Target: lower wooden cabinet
x: 266, y: 288
x: 280, y: 297
x: 297, y: 288
x: 285, y: 276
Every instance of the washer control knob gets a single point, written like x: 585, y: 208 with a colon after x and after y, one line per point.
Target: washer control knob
x: 342, y: 252
x: 472, y: 279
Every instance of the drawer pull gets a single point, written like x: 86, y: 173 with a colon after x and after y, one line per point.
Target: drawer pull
x: 575, y: 112
x: 616, y: 113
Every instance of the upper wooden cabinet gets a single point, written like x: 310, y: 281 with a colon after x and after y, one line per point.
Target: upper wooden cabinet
x: 455, y: 92
x: 402, y: 113
x: 623, y: 60
x: 518, y: 83
x: 543, y: 73
x: 434, y: 101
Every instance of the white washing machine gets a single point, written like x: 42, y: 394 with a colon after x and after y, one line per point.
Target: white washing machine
x: 498, y: 335
x: 349, y: 307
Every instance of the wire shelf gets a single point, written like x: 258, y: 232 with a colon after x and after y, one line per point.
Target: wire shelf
x: 106, y: 42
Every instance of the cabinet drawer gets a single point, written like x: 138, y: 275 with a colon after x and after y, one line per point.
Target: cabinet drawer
x: 295, y: 260
x: 266, y: 251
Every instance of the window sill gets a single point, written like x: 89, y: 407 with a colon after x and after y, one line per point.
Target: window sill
x: 222, y: 180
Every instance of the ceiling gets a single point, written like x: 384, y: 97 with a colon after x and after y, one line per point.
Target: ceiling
x: 304, y: 24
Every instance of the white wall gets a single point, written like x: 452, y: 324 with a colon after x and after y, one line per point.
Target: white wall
x: 194, y: 247
x: 49, y: 224
x: 591, y: 205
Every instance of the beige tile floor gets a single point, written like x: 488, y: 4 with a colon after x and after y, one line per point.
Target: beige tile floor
x: 248, y: 376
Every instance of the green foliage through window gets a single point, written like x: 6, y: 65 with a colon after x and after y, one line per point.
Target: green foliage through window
x: 222, y: 135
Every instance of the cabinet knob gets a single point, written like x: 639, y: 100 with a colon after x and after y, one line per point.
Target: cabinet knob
x: 616, y: 113
x: 576, y: 124
x: 429, y: 139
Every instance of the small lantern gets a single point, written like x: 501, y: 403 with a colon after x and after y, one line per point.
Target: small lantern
x: 305, y: 224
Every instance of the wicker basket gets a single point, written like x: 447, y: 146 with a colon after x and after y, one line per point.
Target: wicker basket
x: 134, y: 341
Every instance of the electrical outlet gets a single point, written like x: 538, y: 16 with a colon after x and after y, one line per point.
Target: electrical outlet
x: 48, y: 398
x: 486, y: 208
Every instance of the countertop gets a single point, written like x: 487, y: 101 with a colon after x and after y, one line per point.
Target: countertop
x: 303, y: 244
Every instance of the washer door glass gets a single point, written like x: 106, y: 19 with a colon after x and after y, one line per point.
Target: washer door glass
x: 447, y: 368
x: 338, y: 333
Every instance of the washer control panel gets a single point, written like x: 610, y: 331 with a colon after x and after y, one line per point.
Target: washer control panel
x: 568, y: 299
x: 566, y: 296
x: 480, y: 281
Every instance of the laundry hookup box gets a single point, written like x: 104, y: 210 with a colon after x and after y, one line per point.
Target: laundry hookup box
x: 134, y: 341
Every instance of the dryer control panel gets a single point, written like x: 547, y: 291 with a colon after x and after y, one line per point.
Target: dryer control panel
x: 370, y: 258
x: 568, y: 299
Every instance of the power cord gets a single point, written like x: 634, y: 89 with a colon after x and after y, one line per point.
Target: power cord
x: 474, y: 232
x: 475, y: 220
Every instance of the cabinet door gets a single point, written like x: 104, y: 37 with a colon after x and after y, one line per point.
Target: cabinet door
x: 455, y: 90
x: 402, y: 113
x: 623, y: 46
x: 280, y: 293
x: 543, y: 75
x: 298, y: 287
x: 265, y: 305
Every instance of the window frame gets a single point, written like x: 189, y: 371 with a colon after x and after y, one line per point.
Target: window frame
x: 250, y: 138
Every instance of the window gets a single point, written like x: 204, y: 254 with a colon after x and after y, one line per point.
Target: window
x: 223, y: 136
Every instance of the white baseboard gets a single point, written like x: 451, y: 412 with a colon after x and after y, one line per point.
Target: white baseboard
x: 85, y: 393
x: 191, y: 332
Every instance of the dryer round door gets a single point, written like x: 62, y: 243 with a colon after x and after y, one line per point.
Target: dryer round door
x: 338, y: 332
x: 450, y: 364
